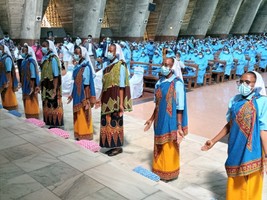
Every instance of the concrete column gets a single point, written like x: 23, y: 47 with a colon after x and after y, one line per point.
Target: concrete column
x: 260, y: 21
x: 245, y: 16
x: 225, y: 17
x: 201, y: 18
x: 1, y: 33
x: 88, y: 16
x: 171, y: 15
x: 31, y: 24
x: 134, y: 20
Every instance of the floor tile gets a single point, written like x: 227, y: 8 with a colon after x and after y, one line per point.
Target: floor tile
x: 9, y: 170
x: 10, y: 141
x: 38, y: 138
x: 131, y: 187
x: 104, y: 194
x: 43, y: 194
x: 59, y: 148
x: 54, y: 175
x: 18, y: 186
x: 21, y: 151
x: 77, y: 187
x: 82, y: 160
x: 35, y: 161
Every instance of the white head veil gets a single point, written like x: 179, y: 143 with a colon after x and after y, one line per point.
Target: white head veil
x: 52, y: 47
x: 86, y: 57
x: 259, y: 85
x: 119, y: 52
x: 31, y: 52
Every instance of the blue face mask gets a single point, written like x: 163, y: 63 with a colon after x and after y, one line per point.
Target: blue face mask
x: 142, y: 55
x: 226, y: 52
x: 44, y: 50
x: 200, y: 56
x: 23, y: 55
x: 165, y: 71
x: 244, y: 89
x: 76, y: 57
x: 6, y: 38
x: 208, y: 52
x: 110, y: 56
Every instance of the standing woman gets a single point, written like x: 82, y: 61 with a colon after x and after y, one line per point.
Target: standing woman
x: 51, y: 87
x: 83, y: 95
x: 30, y: 84
x: 8, y: 80
x: 247, y: 143
x: 170, y: 122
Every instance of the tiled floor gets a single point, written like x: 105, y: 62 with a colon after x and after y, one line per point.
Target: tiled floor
x: 37, y: 165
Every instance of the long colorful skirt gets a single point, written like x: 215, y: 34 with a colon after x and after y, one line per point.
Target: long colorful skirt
x: 111, y: 130
x: 83, y: 129
x: 245, y: 187
x: 53, y: 112
x: 166, y: 161
x: 31, y: 106
x: 9, y: 99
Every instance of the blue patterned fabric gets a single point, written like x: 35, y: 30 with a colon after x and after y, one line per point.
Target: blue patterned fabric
x: 244, y: 145
x: 15, y: 113
x: 79, y: 96
x: 146, y: 173
x: 28, y: 63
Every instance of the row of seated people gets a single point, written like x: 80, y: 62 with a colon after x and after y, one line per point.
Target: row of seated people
x: 197, y: 73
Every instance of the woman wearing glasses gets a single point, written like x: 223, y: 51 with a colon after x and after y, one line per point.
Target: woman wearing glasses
x: 247, y: 145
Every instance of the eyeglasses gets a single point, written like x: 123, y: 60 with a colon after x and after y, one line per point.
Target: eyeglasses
x: 247, y: 82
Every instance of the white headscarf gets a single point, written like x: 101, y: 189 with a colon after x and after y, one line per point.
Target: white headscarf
x: 52, y: 47
x: 119, y: 52
x: 31, y: 52
x: 259, y: 85
x: 86, y: 57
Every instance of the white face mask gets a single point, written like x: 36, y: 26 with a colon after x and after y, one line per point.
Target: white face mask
x: 244, y: 89
x: 110, y: 56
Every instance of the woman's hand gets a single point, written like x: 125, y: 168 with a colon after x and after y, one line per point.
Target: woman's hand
x: 97, y: 104
x: 265, y: 163
x: 207, y: 146
x: 121, y: 110
x: 37, y: 90
x: 69, y: 99
x: 148, y: 125
x: 180, y: 135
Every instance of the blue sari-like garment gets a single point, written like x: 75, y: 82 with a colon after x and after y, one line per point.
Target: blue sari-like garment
x: 26, y: 74
x: 244, y: 145
x: 165, y: 125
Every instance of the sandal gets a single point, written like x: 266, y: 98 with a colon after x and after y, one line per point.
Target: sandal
x: 115, y: 152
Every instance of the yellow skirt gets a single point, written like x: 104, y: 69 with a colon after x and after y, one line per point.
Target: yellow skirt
x: 245, y: 187
x: 166, y: 164
x: 9, y: 99
x: 31, y: 107
x: 83, y: 130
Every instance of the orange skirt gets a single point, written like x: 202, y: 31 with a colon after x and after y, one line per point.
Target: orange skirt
x: 9, y: 99
x: 245, y: 187
x: 31, y: 107
x: 83, y: 129
x: 167, y: 163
